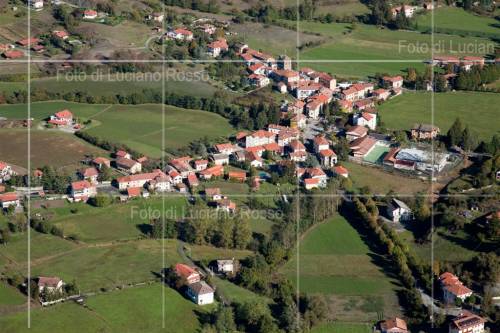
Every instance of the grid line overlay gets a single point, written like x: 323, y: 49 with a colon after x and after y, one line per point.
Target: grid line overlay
x: 297, y: 196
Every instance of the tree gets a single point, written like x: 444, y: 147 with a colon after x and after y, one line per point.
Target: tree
x: 224, y: 320
x: 242, y: 234
x: 468, y: 141
x: 454, y: 135
x: 100, y: 200
x: 4, y: 236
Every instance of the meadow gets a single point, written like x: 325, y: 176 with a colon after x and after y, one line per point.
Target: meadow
x: 335, y: 261
x: 381, y: 182
x: 139, y: 127
x: 473, y: 108
x: 384, y: 50
x: 138, y: 309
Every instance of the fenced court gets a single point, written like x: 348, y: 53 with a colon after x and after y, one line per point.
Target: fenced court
x: 377, y: 154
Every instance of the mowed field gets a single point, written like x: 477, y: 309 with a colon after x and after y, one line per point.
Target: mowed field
x: 139, y: 127
x: 335, y: 261
x: 54, y: 148
x: 460, y: 21
x: 366, y: 49
x: 474, y: 109
x: 138, y: 309
x: 381, y: 182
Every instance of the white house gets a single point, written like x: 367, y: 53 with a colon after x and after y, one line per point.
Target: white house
x: 365, y: 119
x: 128, y: 165
x: 9, y: 199
x: 453, y: 288
x: 89, y: 14
x: 259, y: 138
x: 220, y: 159
x: 394, y: 325
x: 467, y: 322
x: 225, y: 266
x: 398, y: 211
x: 35, y: 4
x: 215, y: 48
x: 50, y: 284
x: 82, y: 190
x: 5, y: 172
x: 321, y: 143
x: 200, y: 293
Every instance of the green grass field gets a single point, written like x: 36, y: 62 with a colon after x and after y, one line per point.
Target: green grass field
x: 137, y: 309
x: 335, y: 261
x: 375, y: 45
x: 338, y: 327
x: 10, y: 296
x: 459, y: 20
x: 474, y: 109
x: 115, y: 222
x: 139, y: 127
x: 382, y: 182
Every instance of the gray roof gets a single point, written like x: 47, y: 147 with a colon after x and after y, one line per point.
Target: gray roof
x: 400, y: 204
x: 201, y: 288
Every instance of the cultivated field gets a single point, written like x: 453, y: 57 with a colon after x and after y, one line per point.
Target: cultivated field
x: 54, y: 148
x: 138, y: 309
x: 474, y: 109
x: 139, y: 127
x: 335, y: 261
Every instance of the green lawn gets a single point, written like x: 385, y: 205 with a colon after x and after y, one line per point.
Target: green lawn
x: 236, y: 293
x: 10, y: 296
x: 335, y: 261
x: 139, y: 127
x: 137, y: 309
x: 375, y: 45
x: 459, y: 21
x: 115, y: 222
x: 338, y: 327
x: 474, y: 108
x: 382, y: 182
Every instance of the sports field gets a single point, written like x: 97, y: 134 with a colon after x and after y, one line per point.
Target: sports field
x: 376, y: 156
x: 139, y: 127
x: 474, y: 109
x: 335, y: 261
x: 138, y: 309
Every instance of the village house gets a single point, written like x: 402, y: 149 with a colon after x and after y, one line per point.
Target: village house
x: 398, y: 211
x: 365, y: 119
x: 320, y: 143
x: 226, y: 148
x: 14, y: 54
x: 220, y: 159
x: 28, y: 42
x: 254, y: 159
x: 259, y: 138
x: 180, y: 34
x: 157, y: 17
x: 341, y: 171
x: 226, y: 205
x: 50, y: 284
x: 453, y: 288
x: 364, y: 104
x: 5, y: 172
x: 35, y: 4
x: 158, y: 180
x: 467, y: 322
x: 306, y: 89
x: 356, y: 132
x: 62, y: 118
x: 240, y: 176
x: 327, y: 157
x: 258, y: 80
x: 193, y: 181
x: 424, y: 131
x: 89, y: 14
x: 469, y: 61
x: 187, y: 274
x: 408, y: 11
x: 315, y: 105
x: 362, y: 146
x: 9, y: 199
x: 225, y: 266
x: 128, y: 165
x: 381, y: 94
x: 82, y: 190
x: 200, y: 293
x: 311, y: 183
x: 101, y: 162
x: 287, y: 76
x: 393, y: 325
x: 215, y: 171
x: 357, y: 91
x: 213, y: 194
x: 284, y: 62
x: 215, y: 48
x: 175, y: 176
x: 90, y: 174
x: 123, y: 154
x: 392, y: 82
x: 62, y: 34
x: 200, y: 165
x: 315, y: 173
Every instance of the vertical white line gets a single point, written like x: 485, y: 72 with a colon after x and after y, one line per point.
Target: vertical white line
x: 163, y: 258
x: 432, y: 161
x: 28, y: 202
x: 297, y: 197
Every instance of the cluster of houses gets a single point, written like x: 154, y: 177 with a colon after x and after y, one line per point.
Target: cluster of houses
x: 464, y: 322
x: 200, y: 292
x: 409, y: 10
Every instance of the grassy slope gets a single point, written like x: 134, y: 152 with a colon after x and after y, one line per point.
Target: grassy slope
x: 475, y: 109
x: 131, y: 310
x: 336, y: 262
x: 10, y: 295
x: 140, y: 127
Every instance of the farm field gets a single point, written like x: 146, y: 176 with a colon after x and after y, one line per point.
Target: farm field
x: 382, y: 182
x: 139, y: 127
x: 136, y: 309
x: 115, y: 84
x: 337, y: 327
x: 410, y: 108
x: 10, y: 296
x: 459, y: 21
x: 357, y: 292
x: 370, y: 43
x: 115, y: 222
x: 54, y: 148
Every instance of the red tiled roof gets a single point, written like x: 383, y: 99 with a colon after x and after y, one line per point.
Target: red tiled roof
x: 184, y: 270
x: 48, y: 281
x: 6, y: 197
x: 13, y: 54
x: 327, y: 152
x: 340, y: 170
x: 133, y: 192
x: 80, y: 185
x: 64, y: 114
